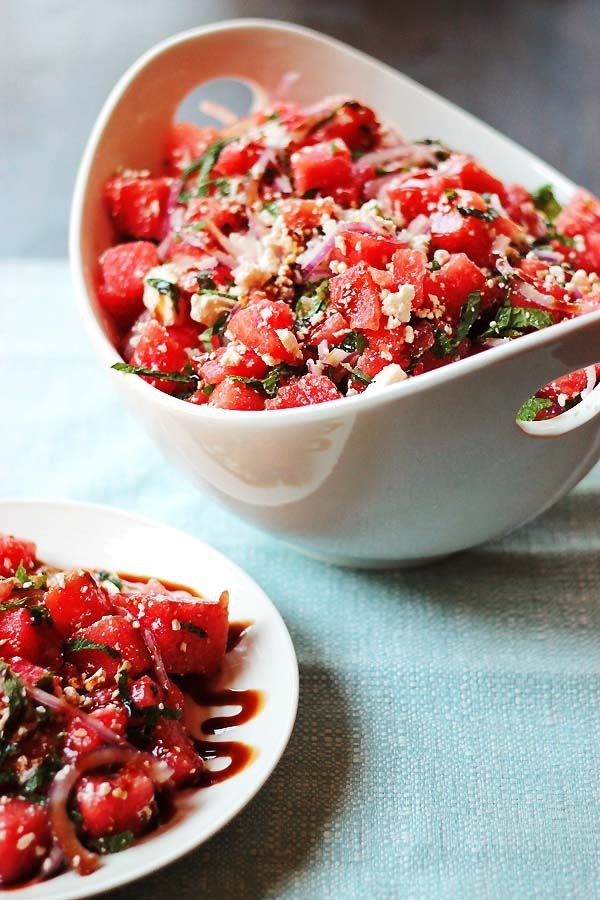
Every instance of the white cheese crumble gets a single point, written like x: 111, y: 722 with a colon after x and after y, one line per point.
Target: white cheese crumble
x: 162, y: 305
x: 206, y: 308
x: 398, y: 305
x: 392, y: 374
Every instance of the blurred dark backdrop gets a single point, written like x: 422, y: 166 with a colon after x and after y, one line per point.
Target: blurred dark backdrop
x: 529, y: 67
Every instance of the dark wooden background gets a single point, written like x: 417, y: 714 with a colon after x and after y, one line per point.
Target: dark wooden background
x: 529, y: 67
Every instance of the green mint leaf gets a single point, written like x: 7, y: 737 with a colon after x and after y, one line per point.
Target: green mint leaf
x: 355, y: 342
x: 308, y: 305
x: 271, y: 207
x: 113, y: 843
x: 205, y: 281
x: 468, y: 316
x: 13, y: 690
x: 76, y: 645
x: 358, y: 374
x: 217, y: 328
x: 21, y: 574
x: 270, y: 383
x: 166, y: 288
x: 488, y: 215
x: 111, y: 577
x: 531, y: 408
x: 194, y: 629
x: 203, y: 165
x: 511, y: 321
x: 546, y: 202
x: 178, y: 377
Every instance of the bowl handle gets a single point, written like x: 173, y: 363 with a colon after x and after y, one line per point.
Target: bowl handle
x: 562, y: 349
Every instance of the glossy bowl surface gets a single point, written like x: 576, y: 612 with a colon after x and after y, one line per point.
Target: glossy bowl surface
x: 425, y: 468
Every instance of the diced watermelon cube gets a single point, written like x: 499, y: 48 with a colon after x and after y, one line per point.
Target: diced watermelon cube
x: 355, y: 294
x: 305, y: 391
x: 111, y: 804
x: 138, y: 205
x: 24, y: 839
x: 76, y: 602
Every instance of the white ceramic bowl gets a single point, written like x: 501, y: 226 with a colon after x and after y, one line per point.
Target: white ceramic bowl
x: 429, y: 467
x: 74, y: 534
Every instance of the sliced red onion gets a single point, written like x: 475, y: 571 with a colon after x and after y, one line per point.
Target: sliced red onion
x: 550, y: 256
x: 419, y: 225
x: 164, y: 248
x: 157, y: 659
x: 534, y: 296
x: 83, y: 860
x: 283, y: 184
x: 7, y: 586
x: 407, y: 154
x: 62, y: 707
x: 375, y: 187
x: 309, y: 261
x: 53, y: 863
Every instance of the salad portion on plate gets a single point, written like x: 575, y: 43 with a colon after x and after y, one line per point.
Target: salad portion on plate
x: 96, y: 733
x: 301, y: 255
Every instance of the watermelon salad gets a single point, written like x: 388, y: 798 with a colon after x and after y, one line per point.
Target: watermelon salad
x: 302, y: 255
x: 92, y: 734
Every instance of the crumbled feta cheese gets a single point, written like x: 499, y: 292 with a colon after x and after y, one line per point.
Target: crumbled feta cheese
x: 162, y: 305
x: 392, y: 374
x: 441, y: 256
x: 288, y: 339
x: 206, y: 308
x: 398, y: 305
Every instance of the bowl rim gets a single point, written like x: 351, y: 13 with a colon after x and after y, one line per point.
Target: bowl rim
x: 87, y: 888
x: 367, y: 400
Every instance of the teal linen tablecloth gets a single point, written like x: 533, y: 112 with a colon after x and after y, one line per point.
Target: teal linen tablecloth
x: 448, y: 735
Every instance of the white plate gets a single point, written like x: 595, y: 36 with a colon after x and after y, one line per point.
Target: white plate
x: 72, y: 534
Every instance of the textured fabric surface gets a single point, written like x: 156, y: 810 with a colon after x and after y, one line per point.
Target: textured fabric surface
x: 447, y: 741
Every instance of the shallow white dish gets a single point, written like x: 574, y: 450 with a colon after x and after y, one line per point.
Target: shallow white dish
x: 73, y: 534
x: 428, y: 467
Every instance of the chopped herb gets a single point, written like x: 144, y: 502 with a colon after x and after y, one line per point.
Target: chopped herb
x: 355, y: 342
x: 208, y: 389
x: 215, y: 293
x: 309, y: 305
x: 200, y: 225
x: 205, y: 281
x: 271, y: 207
x: 40, y: 778
x: 113, y: 843
x: 110, y: 576
x: 167, y: 288
x: 358, y: 374
x: 203, y: 165
x: 273, y: 117
x: 149, y: 714
x: 13, y: 604
x: 510, y: 321
x: 530, y: 409
x: 468, y: 315
x: 450, y: 194
x: 216, y: 328
x: 270, y: 383
x: 28, y: 580
x: 179, y: 377
x: 447, y: 346
x: 435, y: 266
x: 76, y: 645
x: 13, y: 691
x: 488, y: 215
x: 546, y: 202
x: 39, y: 613
x: 195, y: 629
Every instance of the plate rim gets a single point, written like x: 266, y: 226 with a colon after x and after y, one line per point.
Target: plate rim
x: 79, y: 889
